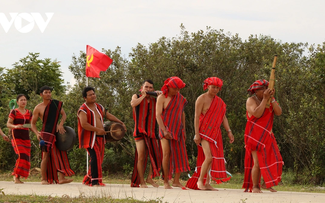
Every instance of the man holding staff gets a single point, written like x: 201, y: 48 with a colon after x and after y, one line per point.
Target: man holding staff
x: 146, y: 136
x: 210, y: 113
x: 262, y: 156
x: 171, y: 120
x: 91, y: 134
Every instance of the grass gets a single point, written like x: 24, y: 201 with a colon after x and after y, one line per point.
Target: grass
x: 66, y: 199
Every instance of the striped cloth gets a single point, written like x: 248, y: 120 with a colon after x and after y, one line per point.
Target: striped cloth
x: 58, y: 161
x: 172, y: 118
x: 173, y: 82
x: 94, y: 175
x: 144, y: 116
x: 21, y: 143
x: 258, y: 84
x: 212, y: 81
x: 210, y: 131
x: 93, y: 143
x: 259, y: 137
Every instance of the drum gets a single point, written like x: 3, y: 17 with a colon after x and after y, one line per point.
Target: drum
x: 66, y: 141
x: 114, y: 131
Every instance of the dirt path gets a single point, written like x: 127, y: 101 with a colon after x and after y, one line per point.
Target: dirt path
x: 173, y: 195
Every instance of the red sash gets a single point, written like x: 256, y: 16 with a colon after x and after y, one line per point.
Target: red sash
x: 172, y: 118
x: 59, y: 161
x: 210, y: 123
x: 144, y: 116
x: 86, y: 138
x: 259, y: 137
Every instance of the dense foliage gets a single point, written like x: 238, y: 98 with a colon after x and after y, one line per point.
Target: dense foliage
x: 300, y: 90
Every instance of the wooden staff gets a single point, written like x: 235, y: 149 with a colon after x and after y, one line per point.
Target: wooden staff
x: 272, y: 80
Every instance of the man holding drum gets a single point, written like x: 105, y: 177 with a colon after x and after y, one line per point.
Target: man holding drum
x: 91, y: 134
x: 53, y: 159
x: 145, y: 135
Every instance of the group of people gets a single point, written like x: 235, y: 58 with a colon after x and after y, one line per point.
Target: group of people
x: 167, y: 150
x: 159, y: 132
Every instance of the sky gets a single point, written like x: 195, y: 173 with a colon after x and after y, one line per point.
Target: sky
x: 68, y: 26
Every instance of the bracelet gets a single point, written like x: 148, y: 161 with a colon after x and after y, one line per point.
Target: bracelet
x: 4, y: 135
x: 229, y: 130
x: 273, y: 101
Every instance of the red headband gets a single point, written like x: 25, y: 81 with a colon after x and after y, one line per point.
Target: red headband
x: 173, y: 82
x: 212, y: 81
x: 258, y: 84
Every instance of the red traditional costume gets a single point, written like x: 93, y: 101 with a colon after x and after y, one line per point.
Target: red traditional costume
x: 94, y: 144
x: 210, y: 131
x: 259, y: 137
x: 58, y: 161
x: 144, y: 116
x: 21, y: 142
x: 172, y: 118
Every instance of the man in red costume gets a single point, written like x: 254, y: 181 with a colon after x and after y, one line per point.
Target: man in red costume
x: 146, y: 136
x: 262, y: 156
x: 171, y: 120
x: 210, y: 113
x: 91, y: 134
x: 53, y: 160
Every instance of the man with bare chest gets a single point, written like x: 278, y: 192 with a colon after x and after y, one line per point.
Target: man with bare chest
x: 171, y: 119
x: 210, y: 113
x: 53, y: 160
x: 91, y: 134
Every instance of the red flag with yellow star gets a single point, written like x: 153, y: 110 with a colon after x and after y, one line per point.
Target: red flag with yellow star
x: 96, y: 62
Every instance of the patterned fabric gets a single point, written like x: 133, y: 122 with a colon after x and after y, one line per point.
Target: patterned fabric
x: 154, y: 152
x: 144, y: 116
x: 258, y: 84
x: 172, y: 118
x: 259, y: 137
x: 173, y: 82
x: 212, y: 81
x: 87, y: 138
x: 94, y: 175
x: 21, y: 143
x: 94, y: 144
x: 210, y: 131
x: 58, y: 161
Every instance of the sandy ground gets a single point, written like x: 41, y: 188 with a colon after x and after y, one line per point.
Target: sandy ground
x: 173, y: 195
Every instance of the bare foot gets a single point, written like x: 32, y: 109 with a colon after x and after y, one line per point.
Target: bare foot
x: 270, y: 188
x: 143, y: 185
x: 178, y: 185
x: 201, y: 186
x: 151, y: 182
x: 64, y: 181
x: 17, y: 180
x: 256, y: 190
x: 209, y: 187
x: 44, y: 182
x: 167, y: 186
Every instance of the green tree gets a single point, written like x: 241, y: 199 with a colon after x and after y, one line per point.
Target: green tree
x: 31, y: 73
